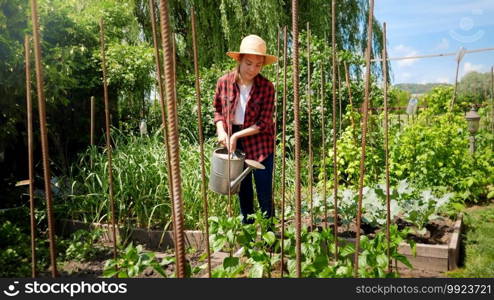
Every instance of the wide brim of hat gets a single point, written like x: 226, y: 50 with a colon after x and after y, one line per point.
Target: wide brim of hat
x: 268, y: 59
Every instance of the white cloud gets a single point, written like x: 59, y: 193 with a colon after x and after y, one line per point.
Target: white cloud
x: 405, y: 75
x: 404, y: 51
x: 469, y: 67
x: 443, y: 44
x: 442, y: 80
x: 402, y: 77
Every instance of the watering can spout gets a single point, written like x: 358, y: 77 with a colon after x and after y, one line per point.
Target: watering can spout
x: 251, y: 165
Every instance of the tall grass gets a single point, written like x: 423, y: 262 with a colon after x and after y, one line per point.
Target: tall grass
x: 140, y: 183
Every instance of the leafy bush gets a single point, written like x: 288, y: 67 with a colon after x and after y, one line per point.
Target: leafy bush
x: 15, y: 251
x: 433, y: 152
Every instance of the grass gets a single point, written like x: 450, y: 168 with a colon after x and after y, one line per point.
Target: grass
x: 478, y: 241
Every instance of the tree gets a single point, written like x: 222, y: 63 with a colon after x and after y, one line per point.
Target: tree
x: 222, y: 24
x: 475, y: 87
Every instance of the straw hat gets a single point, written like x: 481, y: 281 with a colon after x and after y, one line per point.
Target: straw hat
x: 253, y: 44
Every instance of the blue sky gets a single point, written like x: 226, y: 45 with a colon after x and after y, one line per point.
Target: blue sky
x: 423, y: 27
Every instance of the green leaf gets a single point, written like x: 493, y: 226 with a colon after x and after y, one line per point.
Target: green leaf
x: 230, y: 262
x: 292, y: 267
x: 269, y: 238
x: 403, y: 260
x: 348, y: 249
x: 256, y: 271
x: 219, y: 243
x: 109, y: 272
x: 382, y: 260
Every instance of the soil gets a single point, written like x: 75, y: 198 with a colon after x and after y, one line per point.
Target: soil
x: 94, y: 268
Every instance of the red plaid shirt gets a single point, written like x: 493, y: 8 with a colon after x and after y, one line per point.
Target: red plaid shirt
x: 259, y: 111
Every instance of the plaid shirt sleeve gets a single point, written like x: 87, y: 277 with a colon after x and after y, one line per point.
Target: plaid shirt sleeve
x: 217, y: 102
x: 265, y: 121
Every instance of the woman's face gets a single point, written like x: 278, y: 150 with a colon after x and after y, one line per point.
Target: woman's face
x: 250, y: 66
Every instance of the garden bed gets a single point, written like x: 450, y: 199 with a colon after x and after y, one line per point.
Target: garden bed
x: 432, y: 256
x: 436, y: 252
x: 153, y: 240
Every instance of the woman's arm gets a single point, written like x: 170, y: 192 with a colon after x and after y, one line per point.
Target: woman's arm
x: 254, y: 129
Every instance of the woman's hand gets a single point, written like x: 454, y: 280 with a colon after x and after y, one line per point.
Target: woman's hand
x: 222, y: 138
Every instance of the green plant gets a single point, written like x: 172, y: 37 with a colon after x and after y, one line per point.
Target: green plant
x: 373, y: 260
x: 433, y: 152
x: 82, y: 245
x: 15, y: 251
x: 316, y: 251
x: 259, y: 245
x: 256, y: 240
x: 132, y: 262
x: 223, y: 236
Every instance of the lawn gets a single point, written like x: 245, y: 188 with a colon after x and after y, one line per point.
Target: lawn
x: 478, y: 243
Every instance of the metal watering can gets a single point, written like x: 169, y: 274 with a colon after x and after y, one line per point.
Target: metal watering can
x: 219, y: 181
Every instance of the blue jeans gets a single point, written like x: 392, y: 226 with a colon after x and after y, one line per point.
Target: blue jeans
x: 264, y: 183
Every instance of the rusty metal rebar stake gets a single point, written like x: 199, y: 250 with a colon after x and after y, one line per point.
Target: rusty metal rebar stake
x: 386, y: 145
x: 229, y: 134
x: 44, y: 136
x: 340, y: 106
x: 350, y: 99
x: 29, y: 108
x: 275, y: 120
x: 201, y: 137
x: 91, y: 130
x: 159, y: 79
x: 492, y: 99
x: 296, y: 110
x: 335, y: 131
x: 91, y: 139
x: 323, y: 150
x: 364, y: 133
x: 283, y: 156
x: 311, y: 155
x: 174, y: 144
x: 108, y: 141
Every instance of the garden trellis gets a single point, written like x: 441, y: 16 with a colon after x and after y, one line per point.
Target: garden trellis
x: 171, y: 149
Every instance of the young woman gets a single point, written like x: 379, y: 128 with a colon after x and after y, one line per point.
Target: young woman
x: 244, y: 105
